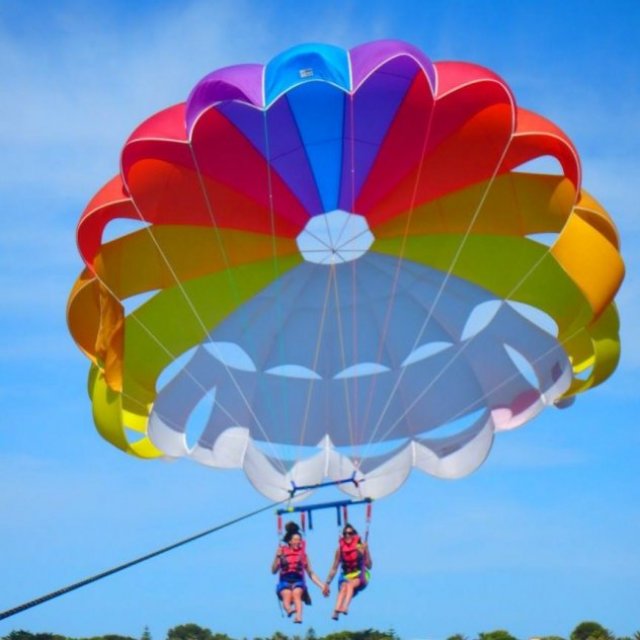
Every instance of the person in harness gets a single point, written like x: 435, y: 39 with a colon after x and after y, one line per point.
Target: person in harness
x: 292, y: 562
x: 354, y: 559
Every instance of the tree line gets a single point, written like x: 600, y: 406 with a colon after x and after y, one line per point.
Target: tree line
x: 587, y: 630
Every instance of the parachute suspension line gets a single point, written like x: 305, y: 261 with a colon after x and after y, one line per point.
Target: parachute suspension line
x: 279, y: 305
x: 323, y: 317
x: 396, y: 278
x: 334, y: 274
x: 159, y: 342
x: 165, y: 418
x: 508, y: 379
x: 234, y: 288
x: 355, y: 381
x: 455, y: 356
x: 350, y: 423
x: 146, y: 329
x: 187, y: 298
x: 82, y: 583
x: 209, y: 205
x: 438, y: 295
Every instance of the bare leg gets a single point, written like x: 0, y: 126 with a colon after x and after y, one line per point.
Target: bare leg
x: 297, y: 601
x: 340, y: 601
x: 350, y: 587
x: 286, y: 601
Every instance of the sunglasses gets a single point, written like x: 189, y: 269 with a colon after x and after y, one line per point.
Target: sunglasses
x: 349, y: 533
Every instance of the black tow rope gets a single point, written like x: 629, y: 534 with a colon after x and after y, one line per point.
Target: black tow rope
x: 76, y: 585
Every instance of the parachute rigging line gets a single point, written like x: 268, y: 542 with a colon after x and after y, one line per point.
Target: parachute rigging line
x: 396, y: 279
x: 279, y: 305
x: 344, y: 271
x: 77, y: 585
x: 190, y: 303
x: 438, y: 296
x: 472, y: 405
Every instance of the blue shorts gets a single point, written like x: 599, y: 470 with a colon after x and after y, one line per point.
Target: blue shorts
x: 290, y: 581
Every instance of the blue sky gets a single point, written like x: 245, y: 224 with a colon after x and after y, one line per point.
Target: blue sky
x: 543, y: 536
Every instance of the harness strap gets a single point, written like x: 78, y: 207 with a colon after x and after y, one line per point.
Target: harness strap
x: 368, y: 521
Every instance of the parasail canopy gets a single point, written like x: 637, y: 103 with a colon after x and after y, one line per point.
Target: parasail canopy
x: 338, y: 263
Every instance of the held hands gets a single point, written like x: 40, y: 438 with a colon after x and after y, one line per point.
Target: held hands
x: 325, y: 590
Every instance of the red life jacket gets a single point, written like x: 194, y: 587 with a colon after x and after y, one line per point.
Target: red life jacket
x: 292, y: 560
x: 351, y: 555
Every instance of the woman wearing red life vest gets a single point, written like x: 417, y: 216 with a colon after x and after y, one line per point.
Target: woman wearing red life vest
x: 292, y: 562
x: 354, y: 559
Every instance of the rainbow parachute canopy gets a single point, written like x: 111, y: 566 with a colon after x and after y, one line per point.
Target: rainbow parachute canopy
x: 335, y: 264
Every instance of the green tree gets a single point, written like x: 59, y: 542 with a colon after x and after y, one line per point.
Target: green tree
x: 590, y: 630
x: 498, y: 634
x: 21, y: 634
x: 457, y: 636
x: 146, y: 634
x: 108, y: 636
x: 367, y: 634
x: 193, y: 631
x: 338, y: 635
x: 189, y: 631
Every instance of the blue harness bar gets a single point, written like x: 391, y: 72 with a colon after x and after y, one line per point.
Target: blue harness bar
x: 337, y: 505
x: 330, y: 483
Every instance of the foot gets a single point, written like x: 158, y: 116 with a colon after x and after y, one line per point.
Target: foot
x: 336, y: 615
x: 297, y: 621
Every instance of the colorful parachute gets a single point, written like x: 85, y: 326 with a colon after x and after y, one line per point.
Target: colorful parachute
x: 340, y: 265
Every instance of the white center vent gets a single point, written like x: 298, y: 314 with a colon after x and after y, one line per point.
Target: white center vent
x: 334, y: 237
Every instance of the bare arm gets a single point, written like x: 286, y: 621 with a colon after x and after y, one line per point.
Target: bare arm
x: 368, y: 563
x: 334, y: 567
x: 314, y: 577
x: 275, y: 565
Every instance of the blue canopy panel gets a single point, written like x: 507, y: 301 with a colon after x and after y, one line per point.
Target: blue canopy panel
x: 318, y: 109
x: 306, y: 63
x: 315, y: 79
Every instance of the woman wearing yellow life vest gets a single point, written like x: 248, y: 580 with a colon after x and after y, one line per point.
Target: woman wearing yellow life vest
x: 354, y: 558
x: 292, y: 562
